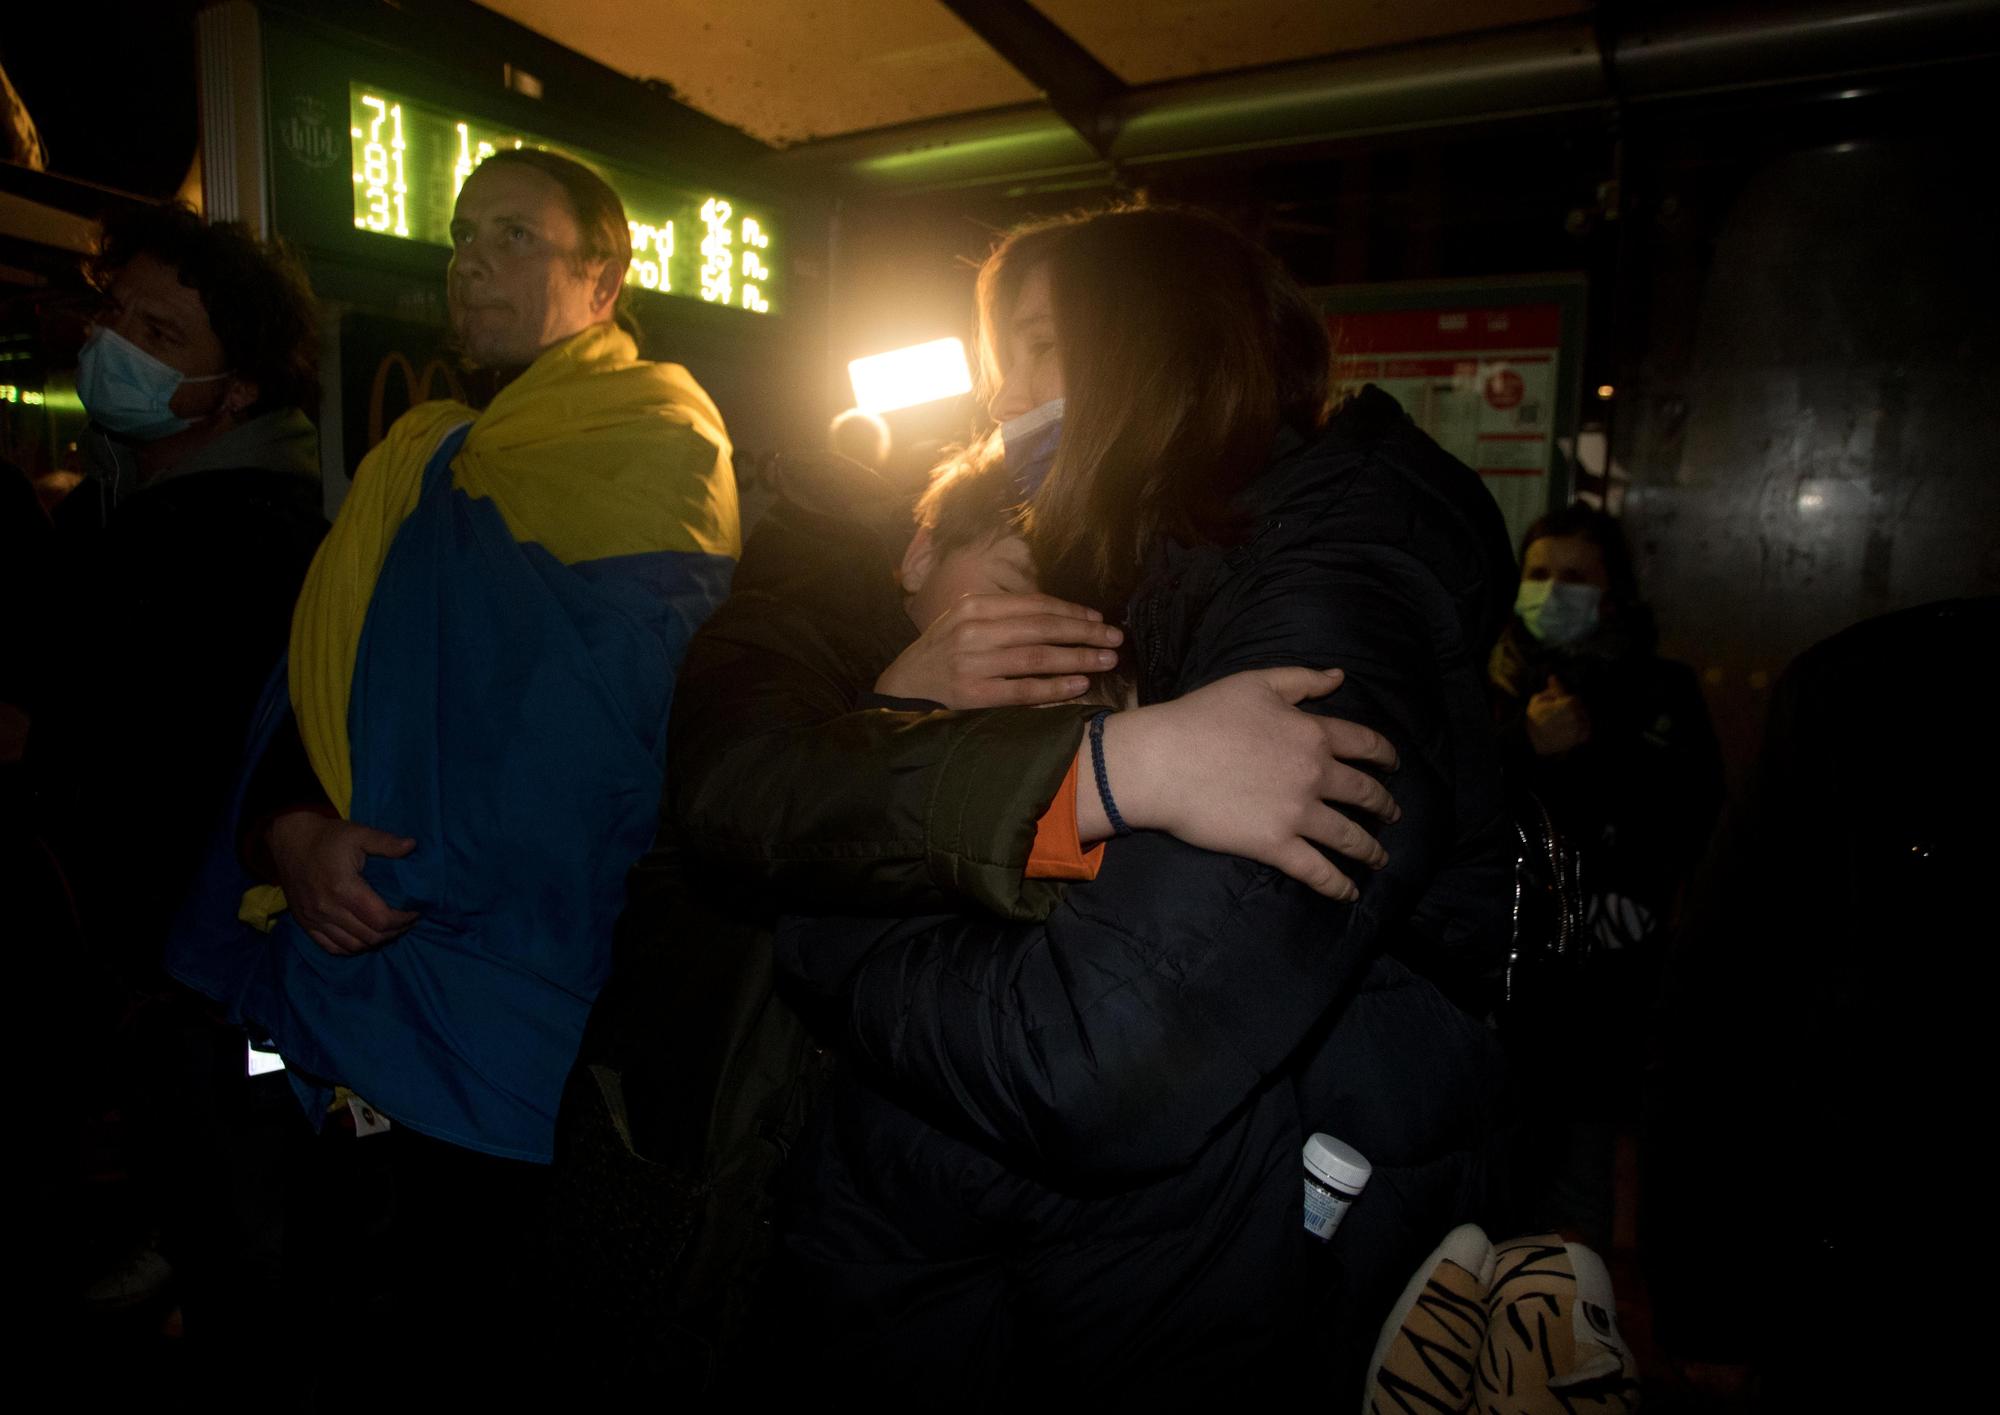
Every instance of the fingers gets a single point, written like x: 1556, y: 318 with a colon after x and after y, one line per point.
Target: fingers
x: 1036, y: 661
x: 1312, y: 869
x: 1348, y: 787
x: 1295, y: 685
x: 1025, y: 692
x: 1352, y: 742
x: 353, y: 920
x: 1342, y: 836
x: 1037, y: 629
x: 380, y: 842
x: 1003, y: 606
x: 1040, y: 628
x: 368, y: 911
x: 338, y: 942
x: 341, y: 932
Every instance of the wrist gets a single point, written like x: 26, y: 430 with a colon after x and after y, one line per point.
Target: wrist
x: 1123, y: 751
x: 1092, y: 824
x: 294, y: 821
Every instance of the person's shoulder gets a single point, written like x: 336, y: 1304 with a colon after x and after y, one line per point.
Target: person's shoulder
x: 830, y: 488
x: 390, y: 473
x: 240, y: 504
x: 1372, y: 486
x: 424, y: 426
x: 816, y: 592
x: 831, y: 517
x: 1906, y: 640
x: 1371, y: 462
x: 678, y: 400
x: 415, y: 436
x: 1369, y: 424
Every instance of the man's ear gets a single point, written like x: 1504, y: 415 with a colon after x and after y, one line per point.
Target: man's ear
x: 919, y: 559
x: 239, y: 396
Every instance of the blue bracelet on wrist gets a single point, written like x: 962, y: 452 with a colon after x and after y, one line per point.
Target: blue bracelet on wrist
x: 1118, y: 825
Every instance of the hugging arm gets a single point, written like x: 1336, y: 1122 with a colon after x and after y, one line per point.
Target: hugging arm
x: 779, y: 778
x: 1117, y: 1036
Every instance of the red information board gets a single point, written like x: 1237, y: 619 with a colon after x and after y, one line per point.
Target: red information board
x: 1486, y: 380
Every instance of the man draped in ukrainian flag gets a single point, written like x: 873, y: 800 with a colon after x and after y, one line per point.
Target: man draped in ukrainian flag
x: 480, y: 668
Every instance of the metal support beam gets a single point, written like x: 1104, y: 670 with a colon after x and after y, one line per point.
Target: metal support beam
x: 1082, y: 91
x: 1549, y: 68
x: 235, y: 176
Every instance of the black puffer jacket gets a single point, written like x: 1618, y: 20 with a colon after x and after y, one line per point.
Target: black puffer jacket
x: 1639, y: 797
x: 789, y: 786
x: 1065, y: 1157
x: 176, y: 606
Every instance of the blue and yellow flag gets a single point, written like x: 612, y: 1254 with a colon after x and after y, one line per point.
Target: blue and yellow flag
x: 482, y: 659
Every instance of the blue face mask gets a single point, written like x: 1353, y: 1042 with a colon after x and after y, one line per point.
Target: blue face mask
x: 1558, y: 614
x: 1030, y: 442
x: 128, y: 391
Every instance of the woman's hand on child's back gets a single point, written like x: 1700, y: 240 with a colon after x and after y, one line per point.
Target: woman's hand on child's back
x: 1004, y: 650
x: 1237, y: 767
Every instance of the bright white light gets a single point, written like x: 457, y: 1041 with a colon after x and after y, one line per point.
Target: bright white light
x: 263, y: 1063
x: 903, y: 378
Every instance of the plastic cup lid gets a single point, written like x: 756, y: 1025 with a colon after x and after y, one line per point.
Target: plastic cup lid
x: 1337, y: 1162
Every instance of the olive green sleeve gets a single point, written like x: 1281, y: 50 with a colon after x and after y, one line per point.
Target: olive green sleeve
x: 777, y: 778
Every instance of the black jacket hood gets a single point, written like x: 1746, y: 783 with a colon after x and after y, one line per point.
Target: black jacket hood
x: 1390, y: 484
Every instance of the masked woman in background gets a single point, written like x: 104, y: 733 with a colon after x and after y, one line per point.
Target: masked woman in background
x: 1614, y: 739
x: 1615, y: 742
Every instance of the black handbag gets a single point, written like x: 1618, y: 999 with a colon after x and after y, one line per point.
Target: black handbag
x: 1548, y: 944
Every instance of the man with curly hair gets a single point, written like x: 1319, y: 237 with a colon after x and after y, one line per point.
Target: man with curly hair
x: 183, y: 552
x: 177, y: 563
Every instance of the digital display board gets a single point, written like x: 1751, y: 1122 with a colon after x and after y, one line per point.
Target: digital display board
x: 410, y: 159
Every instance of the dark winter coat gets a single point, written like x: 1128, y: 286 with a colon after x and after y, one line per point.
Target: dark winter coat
x: 1637, y: 799
x: 1062, y: 1158
x: 1823, y: 1024
x: 789, y: 786
x: 176, y: 606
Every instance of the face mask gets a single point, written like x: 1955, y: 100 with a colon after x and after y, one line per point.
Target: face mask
x: 1030, y: 442
x: 128, y: 391
x: 1558, y: 614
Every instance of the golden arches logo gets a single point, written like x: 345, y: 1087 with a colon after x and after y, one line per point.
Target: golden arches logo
x: 417, y: 389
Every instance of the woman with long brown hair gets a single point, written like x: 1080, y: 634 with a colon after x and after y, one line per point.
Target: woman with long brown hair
x: 1064, y: 1156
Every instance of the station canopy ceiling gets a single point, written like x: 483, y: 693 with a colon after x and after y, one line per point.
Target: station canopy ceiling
x: 792, y: 71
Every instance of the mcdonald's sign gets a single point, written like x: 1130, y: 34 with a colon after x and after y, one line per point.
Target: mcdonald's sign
x: 387, y: 367
x: 438, y: 380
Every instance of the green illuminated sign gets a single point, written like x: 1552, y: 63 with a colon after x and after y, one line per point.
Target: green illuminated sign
x: 410, y: 160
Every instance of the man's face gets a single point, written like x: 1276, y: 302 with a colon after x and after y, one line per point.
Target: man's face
x: 515, y: 286
x: 147, y: 304
x: 999, y: 564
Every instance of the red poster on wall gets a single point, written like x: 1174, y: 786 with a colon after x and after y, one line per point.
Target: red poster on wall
x: 1482, y: 380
